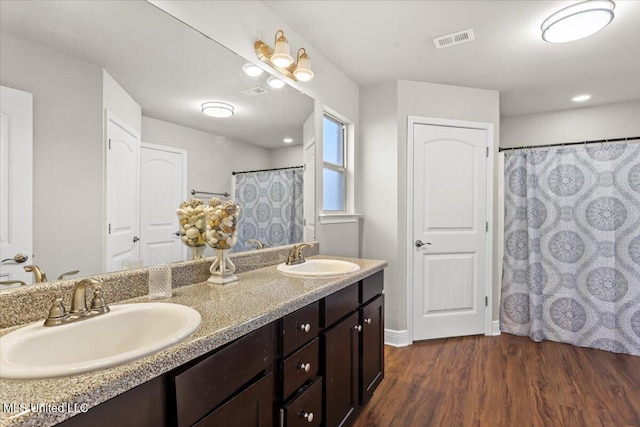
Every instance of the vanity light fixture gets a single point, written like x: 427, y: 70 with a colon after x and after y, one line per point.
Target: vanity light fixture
x: 252, y: 69
x: 219, y: 110
x: 275, y: 82
x: 287, y: 140
x: 581, y: 98
x: 577, y: 21
x: 280, y: 58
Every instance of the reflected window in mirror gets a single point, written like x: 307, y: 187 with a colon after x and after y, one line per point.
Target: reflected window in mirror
x: 334, y: 170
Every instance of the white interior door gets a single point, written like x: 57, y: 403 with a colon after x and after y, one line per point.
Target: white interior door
x: 309, y: 195
x: 122, y: 187
x: 163, y: 186
x: 449, y: 229
x: 16, y: 182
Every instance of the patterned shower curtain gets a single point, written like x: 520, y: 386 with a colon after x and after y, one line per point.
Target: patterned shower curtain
x: 271, y: 204
x: 572, y: 246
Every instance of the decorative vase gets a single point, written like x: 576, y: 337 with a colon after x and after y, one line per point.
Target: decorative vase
x: 222, y: 268
x: 192, y: 226
x: 221, y: 234
x: 197, y: 251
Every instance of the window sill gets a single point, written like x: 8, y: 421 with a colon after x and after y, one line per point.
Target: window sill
x: 340, y: 218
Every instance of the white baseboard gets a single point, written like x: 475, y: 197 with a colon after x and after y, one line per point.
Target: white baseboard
x: 396, y: 338
x: 495, y: 328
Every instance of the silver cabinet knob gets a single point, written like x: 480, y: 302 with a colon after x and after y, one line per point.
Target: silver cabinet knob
x: 420, y: 244
x: 367, y: 321
x: 358, y: 328
x: 305, y: 327
x: 308, y: 416
x: 305, y: 366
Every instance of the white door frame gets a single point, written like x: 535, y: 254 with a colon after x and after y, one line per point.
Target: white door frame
x: 414, y: 120
x: 185, y: 190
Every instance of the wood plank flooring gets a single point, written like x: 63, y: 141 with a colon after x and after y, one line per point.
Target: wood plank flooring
x: 504, y: 381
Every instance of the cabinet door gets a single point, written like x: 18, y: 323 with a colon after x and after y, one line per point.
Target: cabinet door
x: 341, y: 368
x: 372, y: 347
x: 251, y: 408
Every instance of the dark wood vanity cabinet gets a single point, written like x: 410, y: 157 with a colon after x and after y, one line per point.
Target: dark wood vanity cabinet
x: 353, y: 350
x: 314, y: 367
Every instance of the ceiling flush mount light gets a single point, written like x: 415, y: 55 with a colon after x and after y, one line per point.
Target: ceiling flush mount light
x: 280, y: 58
x: 219, y: 110
x: 287, y: 140
x: 577, y: 21
x: 252, y: 70
x: 581, y: 98
x: 275, y: 82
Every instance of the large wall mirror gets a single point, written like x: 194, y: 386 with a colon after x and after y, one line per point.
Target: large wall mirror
x: 88, y: 63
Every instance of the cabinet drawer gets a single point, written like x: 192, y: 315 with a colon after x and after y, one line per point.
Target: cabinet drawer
x: 251, y: 408
x: 300, y: 327
x: 205, y: 385
x: 306, y: 409
x: 339, y: 304
x: 371, y: 286
x: 300, y: 367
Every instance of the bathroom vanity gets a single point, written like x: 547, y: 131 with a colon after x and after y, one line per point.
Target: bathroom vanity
x: 271, y: 350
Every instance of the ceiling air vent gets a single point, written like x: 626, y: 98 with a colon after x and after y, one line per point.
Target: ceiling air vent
x: 453, y: 39
x: 258, y: 90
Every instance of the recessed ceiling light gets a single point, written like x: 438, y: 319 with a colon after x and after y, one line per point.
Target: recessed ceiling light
x: 577, y: 21
x: 252, y: 69
x: 218, y: 109
x: 275, y: 82
x: 288, y: 140
x: 581, y: 98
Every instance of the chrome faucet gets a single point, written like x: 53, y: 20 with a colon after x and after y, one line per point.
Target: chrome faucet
x: 79, y: 310
x: 296, y: 256
x: 39, y: 275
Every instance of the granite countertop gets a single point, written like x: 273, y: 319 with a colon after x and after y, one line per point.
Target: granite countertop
x: 228, y: 312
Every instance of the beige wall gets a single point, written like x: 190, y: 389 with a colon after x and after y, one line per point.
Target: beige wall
x: 68, y: 155
x: 384, y: 112
x: 285, y: 157
x: 600, y: 122
x: 119, y: 103
x: 210, y: 158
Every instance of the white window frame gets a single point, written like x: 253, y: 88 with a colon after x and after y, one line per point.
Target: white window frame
x: 335, y: 167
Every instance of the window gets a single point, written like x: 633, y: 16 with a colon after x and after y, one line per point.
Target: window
x: 333, y: 158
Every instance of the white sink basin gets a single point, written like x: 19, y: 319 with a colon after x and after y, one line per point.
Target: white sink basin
x: 127, y: 333
x: 319, y: 267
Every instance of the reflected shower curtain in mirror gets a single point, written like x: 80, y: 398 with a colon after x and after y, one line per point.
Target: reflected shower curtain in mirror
x: 571, y: 268
x: 271, y: 204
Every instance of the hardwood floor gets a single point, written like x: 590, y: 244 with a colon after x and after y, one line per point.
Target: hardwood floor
x: 504, y: 381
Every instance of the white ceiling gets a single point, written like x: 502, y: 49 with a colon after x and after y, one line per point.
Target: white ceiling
x: 375, y: 41
x: 167, y: 67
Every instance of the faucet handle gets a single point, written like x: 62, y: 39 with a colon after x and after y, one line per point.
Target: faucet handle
x: 57, y: 312
x: 97, y: 302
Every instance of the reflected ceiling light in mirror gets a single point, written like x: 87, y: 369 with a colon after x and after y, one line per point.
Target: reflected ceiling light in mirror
x: 252, y: 70
x: 219, y: 110
x: 280, y: 58
x: 275, y: 82
x: 581, y: 98
x: 578, y: 21
x: 287, y: 140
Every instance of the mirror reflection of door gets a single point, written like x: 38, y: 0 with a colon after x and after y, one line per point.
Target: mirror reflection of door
x: 16, y: 139
x: 123, y: 199
x: 163, y: 186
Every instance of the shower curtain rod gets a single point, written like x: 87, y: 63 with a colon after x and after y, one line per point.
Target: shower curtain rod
x: 267, y: 170
x: 564, y: 144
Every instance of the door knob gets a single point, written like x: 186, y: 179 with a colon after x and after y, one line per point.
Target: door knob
x: 135, y: 239
x: 18, y: 258
x: 419, y: 243
x: 177, y: 234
